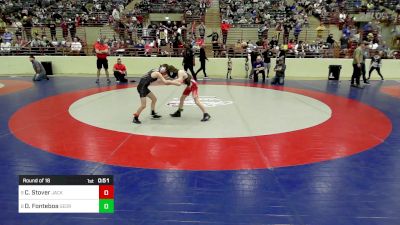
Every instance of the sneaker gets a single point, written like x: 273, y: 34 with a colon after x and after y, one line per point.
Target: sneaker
x: 356, y: 85
x: 97, y: 81
x: 206, y: 117
x: 176, y: 114
x: 366, y: 83
x: 108, y: 81
x: 206, y: 78
x: 136, y: 120
x: 155, y: 116
x: 230, y: 78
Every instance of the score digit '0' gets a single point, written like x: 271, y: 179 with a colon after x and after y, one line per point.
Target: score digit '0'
x: 103, y: 180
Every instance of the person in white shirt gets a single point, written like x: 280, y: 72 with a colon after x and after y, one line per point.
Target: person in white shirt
x: 299, y: 50
x: 115, y: 14
x: 5, y: 47
x: 76, y: 47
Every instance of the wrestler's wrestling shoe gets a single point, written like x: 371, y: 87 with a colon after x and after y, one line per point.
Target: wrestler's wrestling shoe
x: 136, y: 120
x: 176, y: 114
x: 155, y: 116
x: 206, y: 117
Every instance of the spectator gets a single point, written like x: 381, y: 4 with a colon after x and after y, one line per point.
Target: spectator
x: 282, y: 53
x: 3, y: 26
x: 202, y: 30
x: 330, y: 41
x: 116, y: 15
x: 215, y: 45
x: 297, y: 31
x: 5, y: 47
x: 7, y: 36
x: 258, y: 67
x: 18, y: 32
x: 273, y: 43
x: 36, y: 42
x: 64, y: 28
x: 267, y: 55
x: 40, y: 72
x: 279, y: 69
x: 346, y: 31
x: 27, y: 24
x: 344, y: 42
x: 367, y: 28
x: 320, y: 29
x: 53, y: 30
x: 120, y: 71
x: 72, y: 28
x: 224, y: 30
x: 76, y: 47
x: 299, y: 50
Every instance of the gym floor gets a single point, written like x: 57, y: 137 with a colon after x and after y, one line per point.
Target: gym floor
x: 311, y: 152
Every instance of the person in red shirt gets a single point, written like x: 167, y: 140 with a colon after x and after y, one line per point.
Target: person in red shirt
x: 102, y: 51
x: 224, y: 29
x: 120, y: 71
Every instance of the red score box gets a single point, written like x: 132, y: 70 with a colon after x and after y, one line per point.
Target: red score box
x: 106, y: 191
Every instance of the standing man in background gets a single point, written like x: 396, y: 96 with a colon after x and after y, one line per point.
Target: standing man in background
x: 357, y: 60
x: 215, y: 45
x: 188, y: 60
x: 224, y: 30
x: 202, y: 30
x: 267, y: 55
x: 203, y: 59
x: 102, y: 51
x: 53, y: 30
x: 40, y: 72
x: 363, y: 66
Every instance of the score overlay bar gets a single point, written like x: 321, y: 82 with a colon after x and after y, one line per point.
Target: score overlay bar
x: 66, y: 194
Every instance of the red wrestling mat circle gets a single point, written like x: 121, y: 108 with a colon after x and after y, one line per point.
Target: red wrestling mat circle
x: 353, y: 127
x: 392, y: 90
x: 12, y: 86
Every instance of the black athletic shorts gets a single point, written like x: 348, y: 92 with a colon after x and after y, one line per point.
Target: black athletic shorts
x: 143, y: 90
x: 102, y: 63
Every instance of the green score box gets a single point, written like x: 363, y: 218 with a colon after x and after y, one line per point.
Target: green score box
x: 106, y: 206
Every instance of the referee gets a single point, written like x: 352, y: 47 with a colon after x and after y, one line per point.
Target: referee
x: 357, y: 65
x: 102, y: 51
x: 188, y: 60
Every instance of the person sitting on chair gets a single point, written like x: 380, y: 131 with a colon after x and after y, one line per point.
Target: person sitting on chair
x: 120, y: 71
x: 258, y: 67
